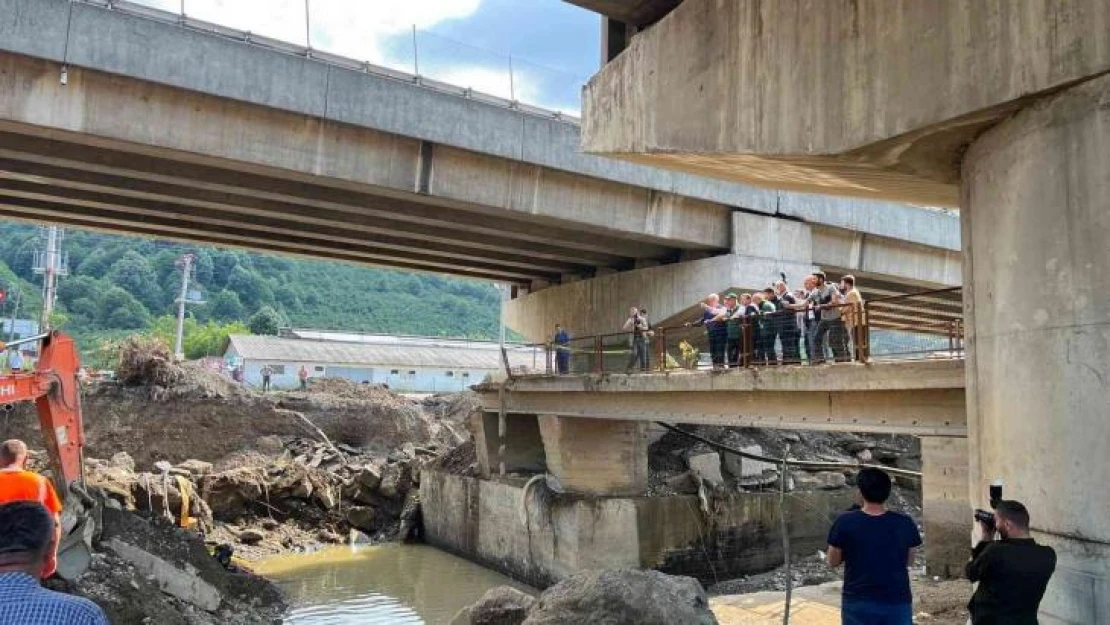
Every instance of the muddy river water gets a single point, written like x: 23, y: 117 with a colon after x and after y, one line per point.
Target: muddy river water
x: 395, y: 584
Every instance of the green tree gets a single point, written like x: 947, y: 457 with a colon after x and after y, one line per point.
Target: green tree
x: 134, y: 274
x: 198, y: 339
x: 119, y: 309
x: 225, y: 306
x: 265, y: 321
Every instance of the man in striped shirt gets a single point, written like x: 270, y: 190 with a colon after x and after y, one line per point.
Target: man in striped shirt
x: 27, y: 554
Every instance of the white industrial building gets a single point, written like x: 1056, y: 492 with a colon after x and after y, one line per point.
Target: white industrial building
x: 406, y: 363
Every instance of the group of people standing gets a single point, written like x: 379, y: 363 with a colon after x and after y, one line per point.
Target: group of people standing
x: 805, y: 324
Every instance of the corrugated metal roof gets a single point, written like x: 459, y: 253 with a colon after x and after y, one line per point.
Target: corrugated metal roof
x: 421, y: 354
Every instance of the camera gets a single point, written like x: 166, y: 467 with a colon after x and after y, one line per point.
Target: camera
x: 986, y: 516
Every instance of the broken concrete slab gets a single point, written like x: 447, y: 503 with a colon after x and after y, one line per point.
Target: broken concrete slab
x: 170, y: 579
x: 740, y: 467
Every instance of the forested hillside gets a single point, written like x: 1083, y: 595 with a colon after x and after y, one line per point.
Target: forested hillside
x: 119, y: 285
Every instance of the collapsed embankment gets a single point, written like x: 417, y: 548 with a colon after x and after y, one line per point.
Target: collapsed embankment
x: 261, y: 474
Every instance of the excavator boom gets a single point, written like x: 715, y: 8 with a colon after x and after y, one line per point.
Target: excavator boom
x: 54, y: 388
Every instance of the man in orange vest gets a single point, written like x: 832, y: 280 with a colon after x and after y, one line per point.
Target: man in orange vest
x: 19, y: 484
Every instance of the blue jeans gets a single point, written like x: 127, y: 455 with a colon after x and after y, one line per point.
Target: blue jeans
x: 871, y: 613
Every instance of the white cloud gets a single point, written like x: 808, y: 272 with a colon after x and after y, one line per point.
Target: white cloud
x: 354, y: 28
x: 376, y: 31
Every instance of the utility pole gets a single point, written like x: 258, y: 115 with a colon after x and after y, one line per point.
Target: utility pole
x: 15, y: 311
x: 186, y: 264
x: 51, y: 265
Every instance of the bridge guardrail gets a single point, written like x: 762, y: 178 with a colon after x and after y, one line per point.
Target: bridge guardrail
x: 416, y: 56
x: 923, y: 325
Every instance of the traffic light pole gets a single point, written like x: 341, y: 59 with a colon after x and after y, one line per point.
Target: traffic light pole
x: 186, y: 264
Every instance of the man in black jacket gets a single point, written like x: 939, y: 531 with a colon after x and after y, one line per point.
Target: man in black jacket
x: 1012, y: 572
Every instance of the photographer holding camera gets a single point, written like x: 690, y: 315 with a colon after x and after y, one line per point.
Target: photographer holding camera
x: 1012, y: 572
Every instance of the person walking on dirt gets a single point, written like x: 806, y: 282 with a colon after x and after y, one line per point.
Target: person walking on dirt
x: 302, y: 375
x: 28, y: 554
x: 266, y: 372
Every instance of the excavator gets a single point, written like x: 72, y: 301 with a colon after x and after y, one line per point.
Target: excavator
x: 53, y: 386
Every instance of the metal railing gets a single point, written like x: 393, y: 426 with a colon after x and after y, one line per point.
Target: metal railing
x: 926, y: 325
x: 307, y: 28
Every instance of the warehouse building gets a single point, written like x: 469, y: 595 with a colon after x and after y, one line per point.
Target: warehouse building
x: 407, y: 364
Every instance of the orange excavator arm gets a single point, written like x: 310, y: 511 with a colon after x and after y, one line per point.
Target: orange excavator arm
x: 54, y: 389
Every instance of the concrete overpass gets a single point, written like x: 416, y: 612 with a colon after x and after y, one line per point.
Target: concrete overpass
x: 998, y: 108
x: 134, y: 123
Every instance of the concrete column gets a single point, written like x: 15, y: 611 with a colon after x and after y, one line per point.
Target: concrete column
x: 1036, y: 204
x: 947, y: 509
x: 596, y: 456
x: 523, y: 448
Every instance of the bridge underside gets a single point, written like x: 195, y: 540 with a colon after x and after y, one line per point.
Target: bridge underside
x: 115, y: 154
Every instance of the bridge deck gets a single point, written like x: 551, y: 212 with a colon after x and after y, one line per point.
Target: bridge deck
x: 914, y: 397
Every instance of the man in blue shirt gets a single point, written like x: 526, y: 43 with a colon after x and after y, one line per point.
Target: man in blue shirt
x: 26, y: 555
x: 562, y: 350
x: 876, y: 545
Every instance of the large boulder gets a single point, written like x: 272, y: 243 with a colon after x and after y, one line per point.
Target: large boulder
x: 503, y: 605
x: 396, y: 480
x: 623, y: 597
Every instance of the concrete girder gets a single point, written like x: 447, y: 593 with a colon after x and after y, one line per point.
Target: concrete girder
x: 273, y: 185
x: 98, y: 204
x: 921, y: 413
x: 246, y: 137
x: 919, y: 397
x: 46, y: 212
x: 371, y: 223
x: 639, y: 13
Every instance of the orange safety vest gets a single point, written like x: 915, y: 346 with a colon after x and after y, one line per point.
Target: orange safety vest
x: 20, y: 485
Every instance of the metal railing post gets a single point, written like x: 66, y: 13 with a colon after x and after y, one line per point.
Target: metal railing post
x: 863, y: 334
x: 599, y: 366
x: 748, y: 342
x: 415, y: 55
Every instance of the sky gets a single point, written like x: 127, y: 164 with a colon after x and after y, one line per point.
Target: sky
x: 553, y: 46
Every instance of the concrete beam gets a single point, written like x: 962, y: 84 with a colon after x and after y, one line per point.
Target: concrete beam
x: 40, y: 216
x: 637, y: 12
x: 886, y: 96
x: 600, y: 305
x: 232, y: 134
x: 864, y: 255
x: 922, y: 397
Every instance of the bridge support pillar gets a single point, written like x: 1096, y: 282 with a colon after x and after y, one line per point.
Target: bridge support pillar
x: 521, y: 448
x: 1036, y: 221
x: 947, y: 508
x: 596, y: 456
